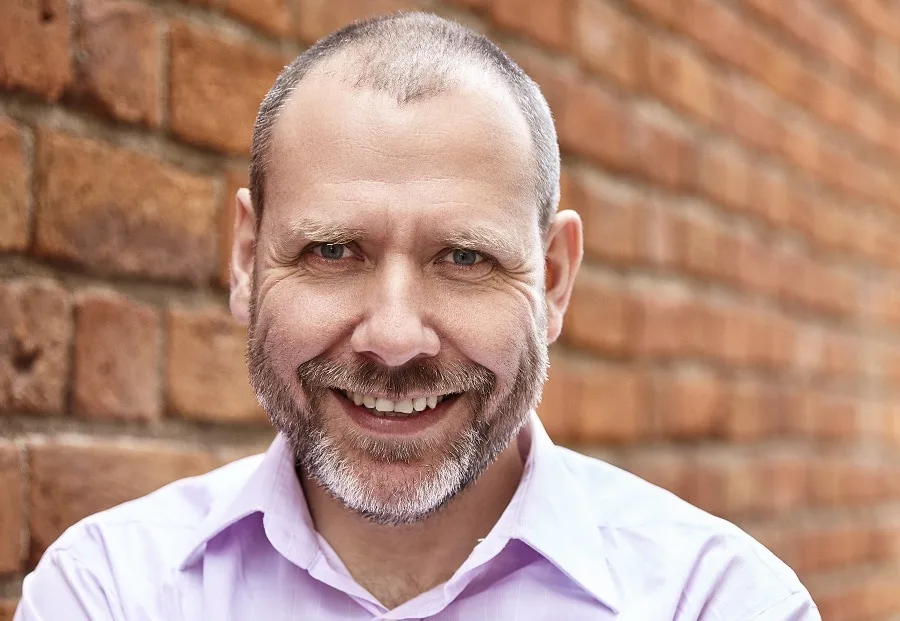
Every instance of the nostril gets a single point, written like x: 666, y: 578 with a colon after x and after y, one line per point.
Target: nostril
x: 47, y: 13
x: 24, y: 360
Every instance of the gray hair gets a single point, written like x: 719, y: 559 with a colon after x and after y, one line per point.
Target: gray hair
x: 413, y: 56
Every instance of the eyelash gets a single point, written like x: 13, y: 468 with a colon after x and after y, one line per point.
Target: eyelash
x: 485, y: 259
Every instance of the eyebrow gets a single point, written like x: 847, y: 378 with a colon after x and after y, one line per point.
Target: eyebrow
x: 314, y: 230
x: 483, y: 239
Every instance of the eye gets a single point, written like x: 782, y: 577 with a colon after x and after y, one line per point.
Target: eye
x: 331, y: 252
x: 464, y: 257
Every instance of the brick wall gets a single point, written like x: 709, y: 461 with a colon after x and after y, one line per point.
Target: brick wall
x: 734, y: 335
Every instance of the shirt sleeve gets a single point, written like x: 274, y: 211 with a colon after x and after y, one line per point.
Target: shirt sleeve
x: 62, y: 588
x: 797, y: 607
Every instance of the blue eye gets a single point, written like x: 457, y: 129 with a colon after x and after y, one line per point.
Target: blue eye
x: 462, y: 256
x: 332, y: 251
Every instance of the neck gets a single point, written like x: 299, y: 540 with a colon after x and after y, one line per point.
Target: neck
x: 397, y: 563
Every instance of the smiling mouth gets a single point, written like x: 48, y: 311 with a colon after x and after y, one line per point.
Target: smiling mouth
x: 387, y: 408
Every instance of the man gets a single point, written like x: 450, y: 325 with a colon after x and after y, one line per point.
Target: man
x: 402, y: 267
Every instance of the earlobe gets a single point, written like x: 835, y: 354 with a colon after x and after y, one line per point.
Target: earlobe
x: 242, y: 256
x: 562, y: 259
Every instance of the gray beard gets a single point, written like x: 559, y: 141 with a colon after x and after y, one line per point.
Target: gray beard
x: 333, y: 463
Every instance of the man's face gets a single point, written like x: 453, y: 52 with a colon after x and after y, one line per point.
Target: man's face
x: 399, y: 264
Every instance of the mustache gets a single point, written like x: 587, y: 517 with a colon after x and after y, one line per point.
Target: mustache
x: 366, y: 376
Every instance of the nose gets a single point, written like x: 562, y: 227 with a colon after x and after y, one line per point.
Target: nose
x: 393, y: 330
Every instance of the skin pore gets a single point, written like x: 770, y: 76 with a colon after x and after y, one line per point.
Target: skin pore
x: 357, y: 265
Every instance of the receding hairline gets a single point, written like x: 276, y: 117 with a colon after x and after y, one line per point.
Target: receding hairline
x: 371, y: 54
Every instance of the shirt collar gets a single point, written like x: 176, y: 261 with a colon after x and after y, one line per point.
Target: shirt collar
x: 557, y: 519
x: 272, y: 489
x: 549, y: 512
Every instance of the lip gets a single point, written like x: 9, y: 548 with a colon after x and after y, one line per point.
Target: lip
x: 394, y: 426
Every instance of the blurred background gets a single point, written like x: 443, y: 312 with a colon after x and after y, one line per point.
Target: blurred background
x: 734, y: 335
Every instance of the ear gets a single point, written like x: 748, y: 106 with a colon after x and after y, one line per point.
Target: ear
x: 242, y: 256
x: 562, y: 258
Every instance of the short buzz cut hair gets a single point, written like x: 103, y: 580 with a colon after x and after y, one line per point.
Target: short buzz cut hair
x: 411, y: 57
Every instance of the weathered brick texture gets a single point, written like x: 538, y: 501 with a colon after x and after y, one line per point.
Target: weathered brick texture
x: 117, y: 211
x: 733, y: 335
x: 14, y: 220
x: 12, y: 510
x: 73, y: 477
x: 116, y: 358
x: 34, y: 47
x: 205, y: 357
x: 35, y: 335
x: 120, y: 59
x: 215, y: 87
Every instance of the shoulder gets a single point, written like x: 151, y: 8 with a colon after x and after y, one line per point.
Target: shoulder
x: 155, y: 529
x: 657, y: 542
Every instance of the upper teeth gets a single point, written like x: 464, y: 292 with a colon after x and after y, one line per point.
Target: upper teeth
x: 406, y: 406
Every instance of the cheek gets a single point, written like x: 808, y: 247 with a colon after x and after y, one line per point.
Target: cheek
x: 303, y: 320
x: 489, y: 328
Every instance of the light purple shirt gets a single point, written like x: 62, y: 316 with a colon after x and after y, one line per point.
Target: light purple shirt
x: 580, y: 540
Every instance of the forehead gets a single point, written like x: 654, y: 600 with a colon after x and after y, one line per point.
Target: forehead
x: 465, y: 146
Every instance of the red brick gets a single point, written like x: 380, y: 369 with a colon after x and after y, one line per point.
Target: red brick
x: 884, y: 542
x: 589, y: 105
x: 216, y: 86
x: 666, y: 321
x: 801, y: 146
x: 477, y: 5
x: 119, y: 60
x: 748, y: 411
x: 611, y: 218
x: 831, y: 103
x: 12, y: 509
x: 661, y: 150
x: 670, y: 471
x: 840, y: 356
x: 664, y: 12
x: 558, y: 409
x: 608, y: 40
x: 235, y: 178
x: 830, y: 418
x: 272, y: 16
x: 721, y: 32
x: 206, y: 374
x: 600, y: 315
x: 757, y: 266
x: 74, y: 477
x: 14, y: 225
x: 689, y: 404
x: 35, y: 334
x: 770, y: 196
x: 34, y: 47
x: 116, y: 211
x: 116, y: 358
x: 784, y: 484
x: 724, y: 174
x: 612, y: 408
x: 706, y: 252
x: 548, y: 22
x: 707, y: 484
x: 318, y: 18
x: 698, y: 86
x: 678, y: 75
x: 661, y: 238
x: 749, y: 113
x: 828, y: 229
x: 831, y: 547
